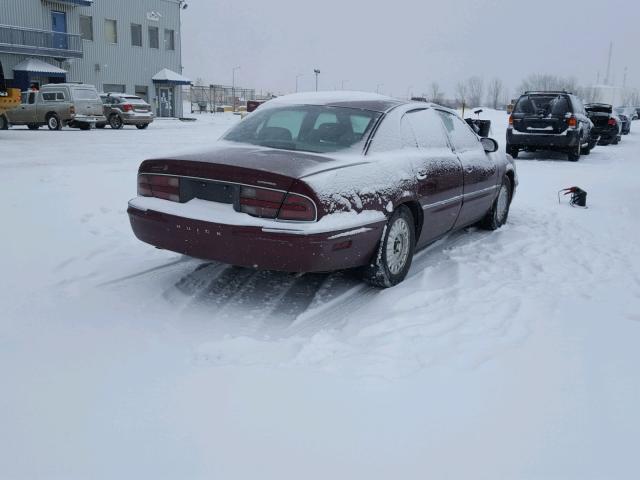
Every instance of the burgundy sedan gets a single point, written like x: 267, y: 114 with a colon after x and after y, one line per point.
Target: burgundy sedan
x: 323, y: 182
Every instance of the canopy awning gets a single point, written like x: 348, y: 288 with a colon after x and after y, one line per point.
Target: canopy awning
x: 33, y: 65
x: 169, y: 76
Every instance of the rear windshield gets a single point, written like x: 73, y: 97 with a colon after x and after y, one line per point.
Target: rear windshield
x: 85, y: 94
x: 133, y: 100
x: 308, y: 128
x: 543, y: 105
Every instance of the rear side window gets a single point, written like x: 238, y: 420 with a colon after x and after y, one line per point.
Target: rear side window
x: 85, y: 94
x: 53, y: 96
x: 459, y: 132
x: 427, y: 128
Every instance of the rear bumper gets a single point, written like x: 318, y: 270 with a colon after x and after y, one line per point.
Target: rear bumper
x: 563, y: 141
x: 87, y: 119
x: 605, y: 133
x: 137, y: 118
x: 256, y: 246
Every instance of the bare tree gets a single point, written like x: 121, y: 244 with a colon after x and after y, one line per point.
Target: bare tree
x: 435, y: 94
x: 495, y: 93
x: 475, y: 89
x: 630, y: 97
x: 461, y: 93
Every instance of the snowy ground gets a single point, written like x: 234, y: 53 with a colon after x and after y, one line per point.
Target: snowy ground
x: 511, y: 354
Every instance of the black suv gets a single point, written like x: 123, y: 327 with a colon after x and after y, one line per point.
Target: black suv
x: 550, y: 121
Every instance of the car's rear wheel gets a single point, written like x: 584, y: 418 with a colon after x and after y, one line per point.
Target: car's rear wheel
x: 616, y: 141
x: 142, y: 127
x: 4, y: 123
x: 392, y: 260
x: 33, y: 126
x: 499, y: 212
x: 513, y: 151
x: 574, y: 153
x: 53, y: 122
x: 115, y: 122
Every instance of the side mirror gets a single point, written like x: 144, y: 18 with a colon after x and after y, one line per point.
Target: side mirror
x: 489, y: 144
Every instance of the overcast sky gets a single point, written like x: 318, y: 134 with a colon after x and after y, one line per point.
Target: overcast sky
x: 406, y: 44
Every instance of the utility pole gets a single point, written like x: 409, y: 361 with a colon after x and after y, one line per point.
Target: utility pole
x: 297, y: 77
x: 607, y: 79
x: 378, y: 86
x: 233, y: 85
x: 342, y: 84
x: 317, y: 72
x: 624, y: 79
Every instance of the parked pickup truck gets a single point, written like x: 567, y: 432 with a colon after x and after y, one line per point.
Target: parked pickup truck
x: 58, y: 104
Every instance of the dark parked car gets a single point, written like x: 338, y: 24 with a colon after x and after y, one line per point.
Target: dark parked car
x: 323, y: 182
x: 605, y: 123
x: 554, y: 121
x: 121, y: 109
x: 626, y: 115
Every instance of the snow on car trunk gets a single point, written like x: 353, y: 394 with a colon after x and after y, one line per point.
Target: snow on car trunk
x: 515, y: 351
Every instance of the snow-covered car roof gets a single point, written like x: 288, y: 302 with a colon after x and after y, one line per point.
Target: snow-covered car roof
x: 364, y: 100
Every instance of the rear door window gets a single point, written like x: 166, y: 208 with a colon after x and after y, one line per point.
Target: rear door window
x: 428, y: 130
x: 461, y: 135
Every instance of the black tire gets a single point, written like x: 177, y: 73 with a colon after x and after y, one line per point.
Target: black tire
x: 4, y: 123
x: 116, y: 122
x: 513, y: 151
x: 142, y: 127
x: 499, y: 212
x: 53, y: 122
x: 574, y: 153
x: 33, y: 126
x: 383, y: 270
x: 586, y: 150
x: 616, y: 141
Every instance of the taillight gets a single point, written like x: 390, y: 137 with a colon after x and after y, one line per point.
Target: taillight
x: 159, y: 186
x: 612, y: 122
x: 260, y: 202
x: 572, y: 122
x: 511, y: 120
x: 127, y: 107
x: 72, y: 110
x: 297, y: 208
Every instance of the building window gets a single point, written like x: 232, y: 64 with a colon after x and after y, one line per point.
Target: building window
x: 154, y: 37
x: 169, y: 40
x: 86, y: 27
x: 142, y: 91
x: 111, y: 31
x: 136, y: 35
x: 114, y: 88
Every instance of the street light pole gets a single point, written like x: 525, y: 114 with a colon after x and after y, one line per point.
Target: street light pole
x: 297, y: 77
x: 378, y: 87
x: 233, y: 85
x: 317, y: 72
x: 342, y: 84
